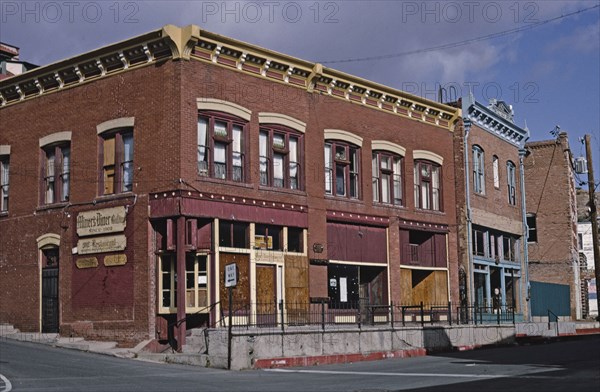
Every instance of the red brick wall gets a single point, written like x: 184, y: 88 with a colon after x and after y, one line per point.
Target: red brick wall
x: 551, y: 196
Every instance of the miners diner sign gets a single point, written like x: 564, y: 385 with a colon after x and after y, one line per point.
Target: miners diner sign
x: 104, y: 221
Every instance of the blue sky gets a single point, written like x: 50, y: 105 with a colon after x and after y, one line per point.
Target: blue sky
x: 549, y: 73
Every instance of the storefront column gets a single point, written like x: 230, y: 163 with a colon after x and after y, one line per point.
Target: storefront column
x: 181, y: 282
x: 503, y: 287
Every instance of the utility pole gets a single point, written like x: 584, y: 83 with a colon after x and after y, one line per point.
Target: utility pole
x: 594, y: 215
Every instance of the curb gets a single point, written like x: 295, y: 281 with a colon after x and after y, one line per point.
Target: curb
x: 335, y: 358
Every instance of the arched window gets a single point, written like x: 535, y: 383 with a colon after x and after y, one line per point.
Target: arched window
x: 342, y: 169
x: 387, y: 177
x: 510, y: 175
x: 496, y: 170
x: 478, y: 170
x: 280, y: 150
x: 428, y: 192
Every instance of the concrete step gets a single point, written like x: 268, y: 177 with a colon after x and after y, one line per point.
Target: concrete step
x: 194, y: 344
x: 178, y: 358
x: 197, y: 332
x: 7, y: 329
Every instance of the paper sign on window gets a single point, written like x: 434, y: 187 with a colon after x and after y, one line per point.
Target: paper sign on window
x: 343, y: 290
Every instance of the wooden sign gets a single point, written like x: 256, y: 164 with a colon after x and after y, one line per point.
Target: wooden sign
x: 86, y: 262
x: 104, y: 221
x: 113, y: 260
x: 112, y: 243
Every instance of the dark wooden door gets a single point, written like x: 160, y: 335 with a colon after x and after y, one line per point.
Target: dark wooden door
x: 50, y: 300
x: 266, y: 295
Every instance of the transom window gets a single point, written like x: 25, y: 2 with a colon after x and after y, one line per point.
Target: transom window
x: 117, y: 161
x: 427, y: 185
x: 510, y: 169
x: 342, y: 169
x: 221, y: 147
x: 4, y: 182
x: 478, y: 170
x: 387, y: 178
x: 280, y: 158
x: 56, y: 168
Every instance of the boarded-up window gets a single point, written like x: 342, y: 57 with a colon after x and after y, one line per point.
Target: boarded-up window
x: 347, y: 242
x: 422, y: 248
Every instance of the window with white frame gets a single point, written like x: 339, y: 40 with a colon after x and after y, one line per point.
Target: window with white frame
x: 478, y: 170
x: 56, y: 168
x: 511, y: 177
x: 387, y: 178
x: 531, y: 228
x: 4, y: 182
x: 196, y: 283
x: 221, y: 146
x: 342, y: 169
x: 496, y: 172
x: 280, y: 154
x: 427, y: 185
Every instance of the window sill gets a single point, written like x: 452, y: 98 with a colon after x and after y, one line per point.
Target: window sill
x: 432, y: 212
x: 225, y: 182
x: 377, y: 204
x: 281, y: 190
x: 52, y: 206
x: 482, y: 195
x: 116, y: 196
x: 3, y: 214
x: 343, y: 198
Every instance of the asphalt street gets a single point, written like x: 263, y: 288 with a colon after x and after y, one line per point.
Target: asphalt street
x: 570, y: 365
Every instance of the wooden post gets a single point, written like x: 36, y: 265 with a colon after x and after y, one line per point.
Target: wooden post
x: 594, y: 214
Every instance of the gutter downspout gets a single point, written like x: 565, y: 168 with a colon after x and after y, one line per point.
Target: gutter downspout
x: 522, y: 153
x: 467, y: 127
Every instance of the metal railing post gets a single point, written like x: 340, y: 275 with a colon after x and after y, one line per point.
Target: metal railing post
x: 450, y: 312
x: 403, y: 309
x: 322, y: 315
x: 282, y: 320
x: 422, y: 315
x: 392, y: 313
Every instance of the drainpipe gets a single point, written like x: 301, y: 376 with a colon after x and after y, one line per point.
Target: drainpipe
x: 467, y: 127
x: 522, y: 153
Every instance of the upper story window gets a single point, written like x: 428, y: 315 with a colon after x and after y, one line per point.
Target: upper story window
x: 234, y: 234
x: 280, y: 151
x: 387, y: 178
x: 4, y: 182
x: 342, y: 169
x: 510, y: 171
x: 221, y: 146
x: 427, y: 185
x: 531, y: 228
x: 56, y: 163
x: 117, y: 161
x: 478, y: 170
x: 496, y: 172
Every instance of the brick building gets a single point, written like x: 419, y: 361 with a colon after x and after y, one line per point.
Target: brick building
x: 489, y: 151
x: 175, y: 153
x: 554, y: 269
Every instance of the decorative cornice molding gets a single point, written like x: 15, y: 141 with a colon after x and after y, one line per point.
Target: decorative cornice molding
x: 191, y: 42
x: 493, y: 122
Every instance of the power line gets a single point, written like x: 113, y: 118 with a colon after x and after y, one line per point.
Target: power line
x: 461, y: 43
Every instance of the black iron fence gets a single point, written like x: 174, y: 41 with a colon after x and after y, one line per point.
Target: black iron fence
x: 327, y: 315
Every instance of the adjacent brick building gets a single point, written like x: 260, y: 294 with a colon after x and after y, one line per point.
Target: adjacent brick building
x: 489, y: 151
x: 554, y: 268
x: 161, y: 159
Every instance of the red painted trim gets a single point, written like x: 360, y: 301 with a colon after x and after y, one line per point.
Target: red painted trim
x: 335, y: 358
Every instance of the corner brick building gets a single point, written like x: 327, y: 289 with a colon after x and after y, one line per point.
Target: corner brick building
x: 149, y: 165
x: 552, y: 215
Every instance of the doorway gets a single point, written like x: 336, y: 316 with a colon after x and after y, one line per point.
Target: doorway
x: 50, y: 303
x: 266, y: 295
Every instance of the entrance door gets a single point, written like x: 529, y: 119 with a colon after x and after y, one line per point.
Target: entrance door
x: 266, y: 295
x: 50, y: 300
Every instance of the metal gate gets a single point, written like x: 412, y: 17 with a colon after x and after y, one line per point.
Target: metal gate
x: 50, y: 300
